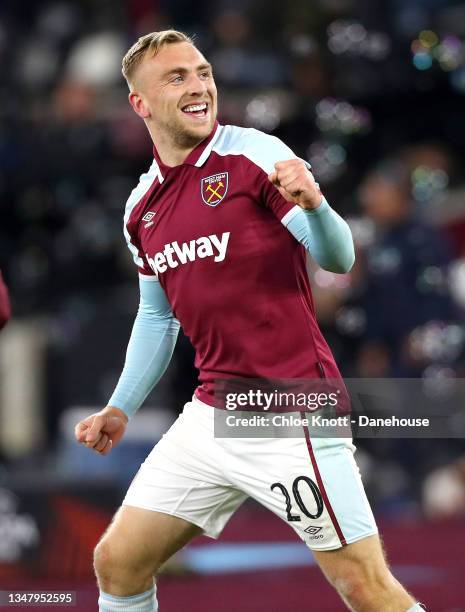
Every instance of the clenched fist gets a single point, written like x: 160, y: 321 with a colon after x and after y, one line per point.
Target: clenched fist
x: 296, y: 184
x: 102, y: 430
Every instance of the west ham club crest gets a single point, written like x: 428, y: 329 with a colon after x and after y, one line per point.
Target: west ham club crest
x: 214, y: 188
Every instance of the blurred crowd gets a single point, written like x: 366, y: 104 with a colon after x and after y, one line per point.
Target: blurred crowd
x: 371, y: 93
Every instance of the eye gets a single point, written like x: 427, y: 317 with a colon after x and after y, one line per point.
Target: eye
x: 177, y: 79
x: 205, y: 75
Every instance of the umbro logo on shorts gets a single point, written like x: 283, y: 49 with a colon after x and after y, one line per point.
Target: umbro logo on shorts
x: 175, y: 254
x: 315, y: 533
x: 313, y: 530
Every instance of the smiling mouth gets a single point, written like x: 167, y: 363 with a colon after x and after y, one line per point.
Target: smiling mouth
x: 196, y: 110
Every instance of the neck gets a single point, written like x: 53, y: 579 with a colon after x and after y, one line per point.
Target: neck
x: 171, y: 153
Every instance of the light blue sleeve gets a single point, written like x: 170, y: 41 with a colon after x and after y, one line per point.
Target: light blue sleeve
x: 325, y: 235
x: 149, y: 350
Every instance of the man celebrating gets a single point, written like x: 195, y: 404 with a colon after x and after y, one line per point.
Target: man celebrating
x: 219, y: 228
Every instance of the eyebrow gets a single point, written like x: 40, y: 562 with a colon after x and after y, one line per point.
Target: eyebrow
x: 182, y: 70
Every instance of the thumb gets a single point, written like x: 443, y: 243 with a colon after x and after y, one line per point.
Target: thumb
x: 273, y: 178
x: 94, y: 430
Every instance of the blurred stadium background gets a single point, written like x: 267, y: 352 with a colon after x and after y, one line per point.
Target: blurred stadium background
x: 373, y: 94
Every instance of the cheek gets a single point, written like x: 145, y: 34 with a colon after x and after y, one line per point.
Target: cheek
x: 167, y: 108
x: 163, y: 101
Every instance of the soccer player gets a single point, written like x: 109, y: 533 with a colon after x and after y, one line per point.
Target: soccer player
x: 5, y: 309
x: 219, y: 228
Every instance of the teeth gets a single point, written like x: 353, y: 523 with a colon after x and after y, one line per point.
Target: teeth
x: 194, y: 108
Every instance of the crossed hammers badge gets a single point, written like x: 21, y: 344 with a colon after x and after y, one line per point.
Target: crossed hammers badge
x: 214, y: 188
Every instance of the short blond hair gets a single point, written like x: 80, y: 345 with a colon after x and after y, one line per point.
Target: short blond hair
x: 150, y: 43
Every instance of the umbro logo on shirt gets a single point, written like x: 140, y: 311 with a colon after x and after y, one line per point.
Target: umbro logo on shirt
x: 148, y: 218
x: 175, y: 254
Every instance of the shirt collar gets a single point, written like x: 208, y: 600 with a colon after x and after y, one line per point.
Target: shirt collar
x: 198, y: 156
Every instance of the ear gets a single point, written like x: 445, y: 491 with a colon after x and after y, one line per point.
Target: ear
x: 138, y: 104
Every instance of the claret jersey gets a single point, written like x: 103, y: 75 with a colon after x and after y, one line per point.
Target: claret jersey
x: 212, y: 232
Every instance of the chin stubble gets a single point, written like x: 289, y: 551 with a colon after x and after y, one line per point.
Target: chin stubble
x: 182, y: 137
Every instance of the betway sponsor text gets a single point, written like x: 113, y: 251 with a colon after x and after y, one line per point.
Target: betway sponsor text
x: 175, y: 254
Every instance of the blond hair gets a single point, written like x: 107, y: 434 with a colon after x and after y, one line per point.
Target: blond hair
x: 150, y: 43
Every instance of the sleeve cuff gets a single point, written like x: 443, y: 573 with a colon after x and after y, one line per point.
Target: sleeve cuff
x: 321, y: 208
x: 150, y: 278
x: 290, y: 215
x: 295, y: 210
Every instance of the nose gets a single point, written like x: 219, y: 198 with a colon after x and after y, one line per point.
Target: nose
x: 196, y: 85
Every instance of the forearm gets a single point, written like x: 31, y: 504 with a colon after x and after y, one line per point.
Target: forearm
x: 149, y: 350
x: 325, y: 235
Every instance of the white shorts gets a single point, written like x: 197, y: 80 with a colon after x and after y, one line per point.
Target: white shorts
x: 314, y: 485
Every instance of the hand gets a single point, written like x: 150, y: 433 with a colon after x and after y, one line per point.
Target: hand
x: 102, y: 430
x: 296, y: 184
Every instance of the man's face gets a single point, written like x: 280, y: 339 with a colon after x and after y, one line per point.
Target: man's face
x: 178, y: 94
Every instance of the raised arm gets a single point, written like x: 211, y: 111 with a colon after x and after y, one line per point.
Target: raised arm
x: 312, y: 221
x: 325, y: 235
x: 287, y: 188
